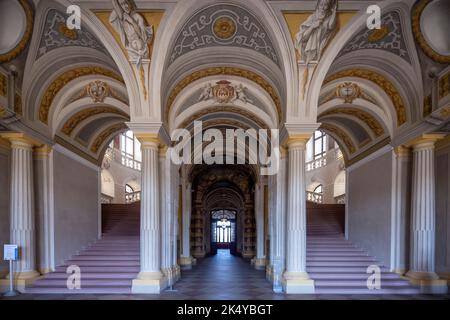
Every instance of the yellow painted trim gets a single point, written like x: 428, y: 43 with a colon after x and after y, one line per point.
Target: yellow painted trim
x: 63, y: 79
x: 387, y: 86
x: 20, y: 137
x: 230, y: 71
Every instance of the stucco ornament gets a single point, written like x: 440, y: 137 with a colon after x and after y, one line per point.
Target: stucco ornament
x: 224, y: 92
x: 316, y: 31
x: 134, y: 33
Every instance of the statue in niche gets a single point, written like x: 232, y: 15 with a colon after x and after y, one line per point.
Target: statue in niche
x: 316, y: 31
x: 134, y: 33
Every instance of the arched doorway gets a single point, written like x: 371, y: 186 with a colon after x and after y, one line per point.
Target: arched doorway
x: 223, y: 230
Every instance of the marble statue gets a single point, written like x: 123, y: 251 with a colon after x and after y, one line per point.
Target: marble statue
x: 134, y: 33
x: 206, y: 93
x: 316, y: 31
x: 241, y: 94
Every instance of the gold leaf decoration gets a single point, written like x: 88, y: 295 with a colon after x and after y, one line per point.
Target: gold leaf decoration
x: 382, y: 82
x: 444, y: 85
x: 26, y: 36
x: 427, y: 105
x: 416, y: 14
x: 341, y: 135
x: 231, y: 71
x: 76, y: 119
x: 65, y: 78
x: 365, y: 117
x: 105, y: 134
x: 231, y: 109
x: 3, y: 85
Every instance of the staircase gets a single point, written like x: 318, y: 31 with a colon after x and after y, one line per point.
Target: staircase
x: 336, y: 265
x: 108, y: 265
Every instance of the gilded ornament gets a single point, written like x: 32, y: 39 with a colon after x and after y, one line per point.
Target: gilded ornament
x: 64, y: 79
x: 365, y: 117
x: 378, y: 34
x: 341, y: 134
x: 382, y: 82
x: 3, y: 85
x: 224, y: 28
x: 76, y: 119
x: 231, y: 71
x: 26, y: 36
x: 66, y: 32
x: 105, y: 134
x: 416, y: 14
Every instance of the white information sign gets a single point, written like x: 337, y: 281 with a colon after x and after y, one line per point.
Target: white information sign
x: 10, y: 252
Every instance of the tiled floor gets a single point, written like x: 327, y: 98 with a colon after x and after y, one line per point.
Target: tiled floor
x: 222, y: 277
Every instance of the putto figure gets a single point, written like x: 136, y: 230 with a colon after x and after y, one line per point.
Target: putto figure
x: 132, y: 28
x: 316, y: 31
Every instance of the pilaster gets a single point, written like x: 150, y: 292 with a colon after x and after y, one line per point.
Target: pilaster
x: 423, y: 216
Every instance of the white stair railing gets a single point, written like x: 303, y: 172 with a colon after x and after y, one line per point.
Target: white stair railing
x: 314, y: 197
x: 133, y: 197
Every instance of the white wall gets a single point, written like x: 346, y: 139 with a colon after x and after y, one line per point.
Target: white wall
x: 369, y: 205
x: 443, y: 209
x: 123, y: 175
x: 5, y: 169
x: 76, y: 187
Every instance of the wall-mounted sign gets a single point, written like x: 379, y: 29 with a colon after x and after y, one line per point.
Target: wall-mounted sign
x: 10, y: 252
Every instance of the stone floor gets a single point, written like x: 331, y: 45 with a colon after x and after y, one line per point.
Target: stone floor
x: 222, y: 277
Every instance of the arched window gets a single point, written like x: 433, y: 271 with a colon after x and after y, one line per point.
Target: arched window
x: 319, y: 189
x: 319, y: 144
x: 128, y: 189
x: 130, y: 146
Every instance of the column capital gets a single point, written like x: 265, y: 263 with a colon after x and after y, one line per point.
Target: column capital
x: 43, y: 151
x: 402, y: 151
x: 20, y: 138
x: 425, y: 140
x: 297, y: 140
x: 146, y: 138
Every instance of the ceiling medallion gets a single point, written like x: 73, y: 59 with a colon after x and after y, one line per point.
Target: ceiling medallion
x: 224, y: 28
x: 97, y: 90
x: 348, y: 91
x: 378, y: 34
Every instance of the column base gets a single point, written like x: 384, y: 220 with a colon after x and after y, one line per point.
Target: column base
x: 149, y: 282
x: 186, y: 263
x: 259, y: 263
x: 21, y: 281
x: 297, y: 283
x: 428, y: 282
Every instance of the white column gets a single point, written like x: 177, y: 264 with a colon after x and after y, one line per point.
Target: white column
x: 422, y: 250
x: 277, y: 199
x: 150, y: 279
x: 296, y: 280
x: 260, y: 260
x: 22, y: 223
x: 186, y: 195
